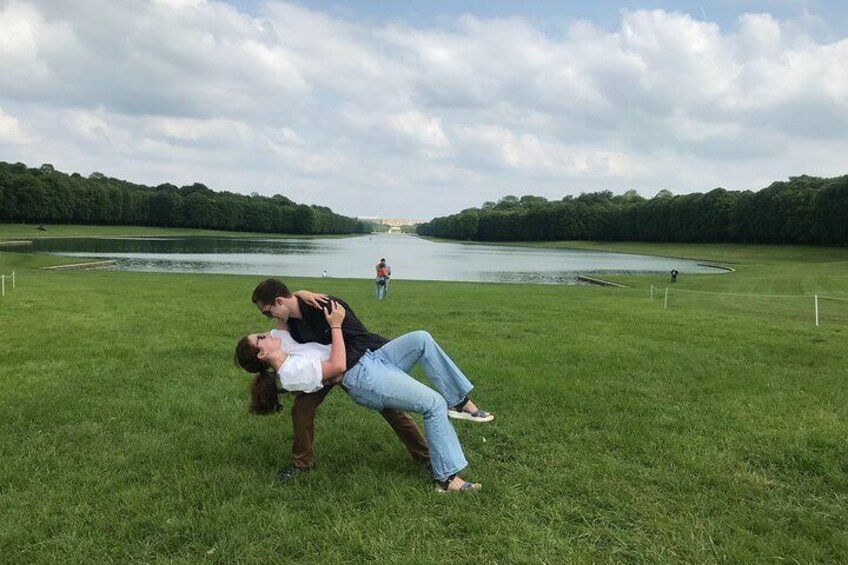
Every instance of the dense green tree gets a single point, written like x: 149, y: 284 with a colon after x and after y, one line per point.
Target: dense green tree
x: 508, y: 202
x: 31, y: 198
x: 467, y: 224
x: 829, y: 215
x: 3, y: 204
x: 46, y: 195
x: 802, y: 210
x: 304, y: 219
x: 200, y: 211
x: 166, y: 209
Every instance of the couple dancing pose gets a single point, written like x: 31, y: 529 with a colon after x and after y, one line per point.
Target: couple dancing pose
x: 319, y: 342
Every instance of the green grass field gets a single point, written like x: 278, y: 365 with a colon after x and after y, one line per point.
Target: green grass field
x: 711, y: 431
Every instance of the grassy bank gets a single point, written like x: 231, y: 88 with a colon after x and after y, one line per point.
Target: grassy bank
x: 709, y: 431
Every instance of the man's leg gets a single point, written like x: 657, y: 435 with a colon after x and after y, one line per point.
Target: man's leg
x: 409, y: 433
x: 303, y: 426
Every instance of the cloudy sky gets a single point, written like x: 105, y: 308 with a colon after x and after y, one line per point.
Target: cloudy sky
x: 420, y: 109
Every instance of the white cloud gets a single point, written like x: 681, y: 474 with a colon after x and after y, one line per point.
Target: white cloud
x: 180, y: 3
x: 92, y: 125
x: 367, y: 116
x: 193, y: 130
x: 536, y: 157
x: 27, y: 45
x: 10, y: 129
x: 413, y: 131
x: 422, y: 129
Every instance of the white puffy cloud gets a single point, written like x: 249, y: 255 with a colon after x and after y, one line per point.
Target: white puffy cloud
x: 411, y: 129
x: 191, y: 130
x: 391, y: 118
x: 10, y: 129
x: 535, y: 157
x: 423, y: 130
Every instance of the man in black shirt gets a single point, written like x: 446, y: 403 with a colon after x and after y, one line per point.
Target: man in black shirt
x: 307, y: 324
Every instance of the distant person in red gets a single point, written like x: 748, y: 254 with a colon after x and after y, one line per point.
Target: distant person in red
x: 384, y: 273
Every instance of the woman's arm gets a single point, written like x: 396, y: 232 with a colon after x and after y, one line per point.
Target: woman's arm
x: 314, y: 299
x: 337, y: 364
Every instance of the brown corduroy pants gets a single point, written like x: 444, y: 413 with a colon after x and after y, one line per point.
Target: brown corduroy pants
x: 303, y: 412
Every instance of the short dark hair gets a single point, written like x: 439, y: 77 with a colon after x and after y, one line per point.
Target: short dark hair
x: 268, y: 290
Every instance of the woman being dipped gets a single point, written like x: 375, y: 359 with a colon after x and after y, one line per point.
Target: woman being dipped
x: 276, y: 357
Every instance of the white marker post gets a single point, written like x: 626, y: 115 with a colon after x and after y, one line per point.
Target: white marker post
x: 816, y: 297
x: 665, y: 303
x: 13, y: 279
x: 3, y: 285
x: 652, y: 292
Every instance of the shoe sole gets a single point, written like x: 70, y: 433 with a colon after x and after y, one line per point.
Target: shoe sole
x: 290, y: 476
x: 474, y: 488
x: 466, y: 416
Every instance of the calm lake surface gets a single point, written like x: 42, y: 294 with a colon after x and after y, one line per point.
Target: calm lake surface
x: 410, y: 258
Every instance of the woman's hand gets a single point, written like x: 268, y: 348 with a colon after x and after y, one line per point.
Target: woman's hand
x: 334, y: 313
x: 314, y: 299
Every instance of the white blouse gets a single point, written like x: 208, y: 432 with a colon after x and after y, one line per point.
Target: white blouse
x: 301, y: 371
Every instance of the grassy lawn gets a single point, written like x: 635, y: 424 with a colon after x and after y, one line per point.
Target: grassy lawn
x: 710, y: 431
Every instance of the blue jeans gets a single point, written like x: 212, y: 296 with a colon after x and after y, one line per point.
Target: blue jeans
x: 382, y: 289
x: 380, y: 381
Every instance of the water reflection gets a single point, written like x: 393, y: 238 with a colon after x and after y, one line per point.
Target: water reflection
x: 410, y: 257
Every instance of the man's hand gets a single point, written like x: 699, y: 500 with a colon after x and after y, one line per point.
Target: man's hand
x: 337, y: 380
x: 314, y: 299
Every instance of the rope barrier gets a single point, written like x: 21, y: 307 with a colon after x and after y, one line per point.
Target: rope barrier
x: 815, y: 297
x: 761, y: 295
x: 746, y: 294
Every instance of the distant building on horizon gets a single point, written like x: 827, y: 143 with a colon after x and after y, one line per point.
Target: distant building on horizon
x: 394, y: 223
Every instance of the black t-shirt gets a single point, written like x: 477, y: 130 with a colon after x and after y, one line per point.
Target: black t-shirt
x: 314, y: 327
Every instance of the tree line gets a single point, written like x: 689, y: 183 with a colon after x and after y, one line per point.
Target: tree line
x: 45, y: 195
x: 802, y: 210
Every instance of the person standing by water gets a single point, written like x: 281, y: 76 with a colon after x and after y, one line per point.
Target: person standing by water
x: 384, y: 273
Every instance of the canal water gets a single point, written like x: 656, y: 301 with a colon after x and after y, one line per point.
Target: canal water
x: 410, y: 257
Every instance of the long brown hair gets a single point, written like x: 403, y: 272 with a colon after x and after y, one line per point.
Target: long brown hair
x: 264, y: 394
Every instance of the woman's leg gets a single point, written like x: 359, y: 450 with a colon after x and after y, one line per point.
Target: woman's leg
x: 378, y: 385
x: 420, y: 347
